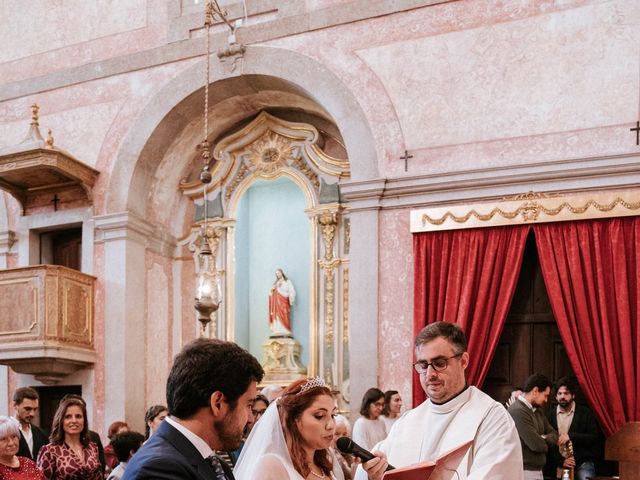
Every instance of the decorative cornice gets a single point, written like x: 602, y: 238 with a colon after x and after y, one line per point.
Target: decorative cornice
x: 528, y: 208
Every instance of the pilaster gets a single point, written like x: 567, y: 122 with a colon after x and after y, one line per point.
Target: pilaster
x: 125, y: 238
x: 364, y: 209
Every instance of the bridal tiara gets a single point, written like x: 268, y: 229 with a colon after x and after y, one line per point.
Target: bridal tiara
x: 312, y: 383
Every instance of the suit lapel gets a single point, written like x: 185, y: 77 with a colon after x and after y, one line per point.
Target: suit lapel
x: 200, y: 465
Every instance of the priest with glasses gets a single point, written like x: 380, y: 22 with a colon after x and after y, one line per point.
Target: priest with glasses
x: 454, y: 414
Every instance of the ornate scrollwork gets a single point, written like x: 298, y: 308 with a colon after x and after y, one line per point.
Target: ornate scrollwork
x: 242, y: 173
x: 301, y: 165
x: 269, y: 154
x: 328, y: 221
x: 530, y: 211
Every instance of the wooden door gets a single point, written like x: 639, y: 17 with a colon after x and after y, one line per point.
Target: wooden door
x: 530, y: 342
x: 49, y: 399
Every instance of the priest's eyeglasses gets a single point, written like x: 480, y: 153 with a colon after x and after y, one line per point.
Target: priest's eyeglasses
x: 439, y: 364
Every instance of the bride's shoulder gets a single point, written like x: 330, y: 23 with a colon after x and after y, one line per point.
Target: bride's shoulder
x: 273, y: 464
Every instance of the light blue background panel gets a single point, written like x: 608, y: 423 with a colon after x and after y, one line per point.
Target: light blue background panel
x: 272, y: 231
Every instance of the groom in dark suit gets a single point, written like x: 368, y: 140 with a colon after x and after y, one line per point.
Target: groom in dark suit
x: 210, y: 391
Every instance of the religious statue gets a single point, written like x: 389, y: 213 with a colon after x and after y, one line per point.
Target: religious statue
x: 281, y: 297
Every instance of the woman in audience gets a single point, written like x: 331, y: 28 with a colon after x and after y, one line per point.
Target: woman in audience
x: 343, y: 466
x: 70, y: 455
x: 392, y: 408
x: 292, y: 439
x: 369, y: 429
x: 109, y: 454
x: 153, y: 418
x: 13, y: 467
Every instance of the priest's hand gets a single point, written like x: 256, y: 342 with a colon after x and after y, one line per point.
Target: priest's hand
x: 562, y: 439
x: 376, y: 467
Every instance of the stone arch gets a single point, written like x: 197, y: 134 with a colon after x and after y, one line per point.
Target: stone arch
x: 142, y: 148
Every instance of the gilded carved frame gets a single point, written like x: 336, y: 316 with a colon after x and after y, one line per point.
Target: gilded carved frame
x: 270, y: 148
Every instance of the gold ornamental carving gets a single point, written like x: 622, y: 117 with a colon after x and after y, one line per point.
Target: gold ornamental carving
x: 243, y: 171
x: 328, y: 221
x: 214, y: 235
x: 527, y: 208
x: 329, y: 295
x: 307, y: 172
x: 345, y: 306
x: 270, y: 154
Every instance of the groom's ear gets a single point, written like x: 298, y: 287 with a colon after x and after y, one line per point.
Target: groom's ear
x: 216, y: 403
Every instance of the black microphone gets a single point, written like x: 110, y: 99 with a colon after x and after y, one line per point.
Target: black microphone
x: 346, y: 445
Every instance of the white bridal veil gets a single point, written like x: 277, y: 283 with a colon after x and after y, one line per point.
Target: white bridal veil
x: 265, y: 455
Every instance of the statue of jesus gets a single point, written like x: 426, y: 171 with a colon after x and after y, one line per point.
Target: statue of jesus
x: 281, y: 297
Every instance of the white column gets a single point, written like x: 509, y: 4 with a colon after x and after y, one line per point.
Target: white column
x: 125, y: 237
x: 363, y: 208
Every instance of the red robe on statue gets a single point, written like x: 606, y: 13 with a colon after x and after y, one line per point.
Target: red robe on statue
x: 279, y: 309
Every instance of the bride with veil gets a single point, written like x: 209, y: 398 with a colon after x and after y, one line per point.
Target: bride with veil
x: 292, y: 439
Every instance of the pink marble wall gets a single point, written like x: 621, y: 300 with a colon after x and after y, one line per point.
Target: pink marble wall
x: 395, y: 344
x: 158, y: 327
x: 51, y: 36
x: 490, y: 83
x: 99, y: 338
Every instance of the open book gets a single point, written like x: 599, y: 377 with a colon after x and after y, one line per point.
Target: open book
x: 442, y: 468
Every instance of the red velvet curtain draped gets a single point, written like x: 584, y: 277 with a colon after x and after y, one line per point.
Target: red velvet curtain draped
x: 467, y: 277
x: 591, y: 270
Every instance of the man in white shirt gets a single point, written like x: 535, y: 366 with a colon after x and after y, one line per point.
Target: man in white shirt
x: 25, y: 408
x: 210, y: 390
x: 454, y: 414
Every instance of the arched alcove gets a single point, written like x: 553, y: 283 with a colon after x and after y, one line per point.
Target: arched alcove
x: 276, y: 76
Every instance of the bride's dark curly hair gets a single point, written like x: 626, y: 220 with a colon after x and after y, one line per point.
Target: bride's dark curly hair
x: 291, y: 406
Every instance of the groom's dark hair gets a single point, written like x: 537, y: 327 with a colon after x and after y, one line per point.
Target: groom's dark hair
x: 205, y: 366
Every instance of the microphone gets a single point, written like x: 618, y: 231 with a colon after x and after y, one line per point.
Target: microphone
x: 346, y: 445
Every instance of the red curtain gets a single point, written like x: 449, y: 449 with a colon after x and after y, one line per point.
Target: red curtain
x: 591, y: 270
x: 467, y: 277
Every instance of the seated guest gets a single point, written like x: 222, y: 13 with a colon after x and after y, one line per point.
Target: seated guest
x: 125, y: 445
x: 13, y: 467
x: 71, y: 455
x: 109, y: 454
x: 153, y: 418
x: 392, y: 408
x: 292, y: 439
x: 369, y: 429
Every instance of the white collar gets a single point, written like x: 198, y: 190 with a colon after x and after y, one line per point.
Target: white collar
x: 203, y: 447
x: 526, y: 402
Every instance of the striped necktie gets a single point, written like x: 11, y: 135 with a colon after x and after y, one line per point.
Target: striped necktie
x: 214, y: 461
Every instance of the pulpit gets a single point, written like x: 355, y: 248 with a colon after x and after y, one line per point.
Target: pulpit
x: 47, y: 321
x: 624, y: 447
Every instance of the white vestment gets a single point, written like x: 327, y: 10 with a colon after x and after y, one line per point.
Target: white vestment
x: 429, y: 430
